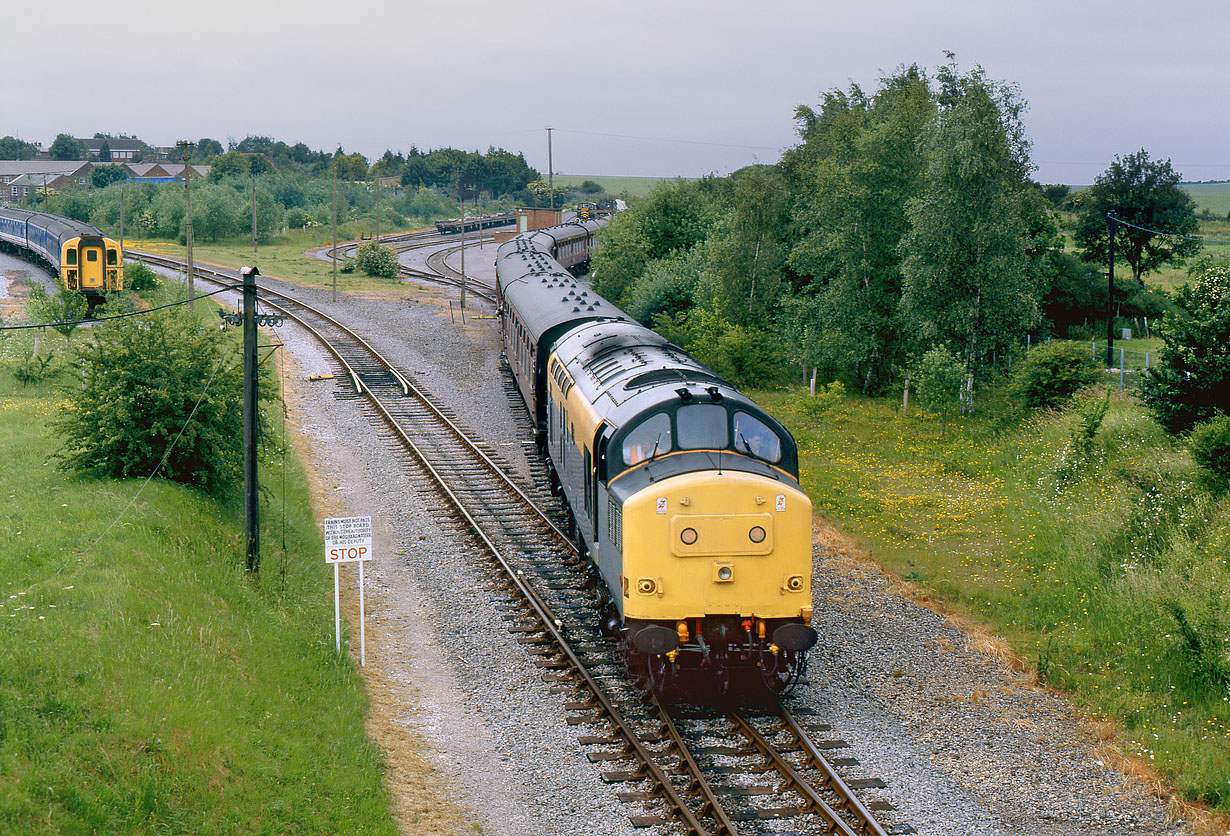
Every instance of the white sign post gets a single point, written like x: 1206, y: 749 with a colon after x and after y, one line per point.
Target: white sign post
x: 348, y: 540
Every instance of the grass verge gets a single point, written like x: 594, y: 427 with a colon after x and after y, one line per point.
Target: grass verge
x: 147, y: 683
x: 1106, y: 565
x: 285, y: 258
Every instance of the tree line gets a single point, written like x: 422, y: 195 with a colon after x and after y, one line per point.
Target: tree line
x: 904, y: 219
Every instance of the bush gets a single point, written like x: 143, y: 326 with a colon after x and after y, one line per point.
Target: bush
x: 150, y: 382
x: 1052, y: 374
x: 825, y: 398
x: 296, y: 217
x: 1211, y: 449
x: 139, y: 279
x: 938, y: 378
x: 377, y: 260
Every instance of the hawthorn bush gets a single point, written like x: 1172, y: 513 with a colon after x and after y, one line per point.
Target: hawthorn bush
x: 157, y: 387
x: 377, y: 260
x: 1052, y: 374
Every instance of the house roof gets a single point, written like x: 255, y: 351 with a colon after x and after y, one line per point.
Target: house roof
x: 92, y: 145
x: 14, y: 168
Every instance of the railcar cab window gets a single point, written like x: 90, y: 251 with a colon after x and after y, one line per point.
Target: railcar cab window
x: 702, y: 427
x: 754, y: 437
x: 651, y: 438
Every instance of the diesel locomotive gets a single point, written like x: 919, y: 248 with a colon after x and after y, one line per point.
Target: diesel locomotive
x: 84, y: 259
x: 683, y: 493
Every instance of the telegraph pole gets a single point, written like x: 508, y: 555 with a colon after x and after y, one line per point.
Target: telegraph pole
x: 187, y: 146
x: 121, y: 223
x: 334, y: 230
x: 252, y: 174
x: 550, y: 169
x: 461, y: 198
x: 1110, y: 298
x: 251, y: 509
x: 377, y: 208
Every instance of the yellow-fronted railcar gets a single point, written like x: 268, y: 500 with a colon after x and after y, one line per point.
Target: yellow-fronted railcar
x: 84, y: 260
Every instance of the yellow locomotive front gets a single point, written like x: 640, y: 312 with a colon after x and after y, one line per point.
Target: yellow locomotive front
x: 717, y: 573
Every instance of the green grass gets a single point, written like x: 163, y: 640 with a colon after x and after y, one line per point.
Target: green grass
x: 1106, y: 567
x: 1212, y: 196
x: 614, y: 184
x: 147, y: 684
x: 285, y: 258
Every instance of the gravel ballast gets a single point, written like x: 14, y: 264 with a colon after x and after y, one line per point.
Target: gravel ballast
x: 964, y: 742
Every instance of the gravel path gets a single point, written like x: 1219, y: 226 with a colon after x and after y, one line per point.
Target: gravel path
x: 965, y: 744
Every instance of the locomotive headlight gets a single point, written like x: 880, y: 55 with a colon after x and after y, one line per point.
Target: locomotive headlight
x: 794, y: 583
x: 688, y: 536
x: 724, y: 573
x: 757, y: 534
x: 646, y: 586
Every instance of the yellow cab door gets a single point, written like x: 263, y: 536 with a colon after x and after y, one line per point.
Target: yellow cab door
x: 92, y: 268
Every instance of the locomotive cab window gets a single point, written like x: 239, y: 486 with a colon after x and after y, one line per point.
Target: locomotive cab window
x: 651, y: 438
x: 112, y: 257
x: 71, y: 257
x: 702, y: 427
x: 753, y: 436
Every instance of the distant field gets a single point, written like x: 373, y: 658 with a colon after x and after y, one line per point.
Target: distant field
x: 1212, y: 196
x: 616, y: 185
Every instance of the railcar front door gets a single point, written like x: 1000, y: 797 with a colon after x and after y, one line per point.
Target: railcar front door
x: 91, y: 261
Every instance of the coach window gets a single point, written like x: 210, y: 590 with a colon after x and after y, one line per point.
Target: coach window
x: 651, y: 438
x: 91, y: 255
x: 753, y: 436
x: 702, y: 427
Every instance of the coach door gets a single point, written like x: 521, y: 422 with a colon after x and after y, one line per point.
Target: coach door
x: 92, y: 266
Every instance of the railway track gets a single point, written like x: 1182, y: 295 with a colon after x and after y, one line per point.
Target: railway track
x: 712, y: 769
x: 440, y: 272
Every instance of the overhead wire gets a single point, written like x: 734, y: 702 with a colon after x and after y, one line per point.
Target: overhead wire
x: 1202, y: 240
x: 27, y: 326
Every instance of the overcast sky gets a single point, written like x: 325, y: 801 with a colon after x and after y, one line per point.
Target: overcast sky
x: 672, y: 87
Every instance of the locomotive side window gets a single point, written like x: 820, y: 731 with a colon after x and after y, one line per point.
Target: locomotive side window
x: 702, y: 427
x: 753, y: 436
x: 651, y: 438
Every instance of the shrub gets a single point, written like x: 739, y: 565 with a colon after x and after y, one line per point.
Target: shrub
x: 33, y: 369
x: 826, y: 397
x: 296, y: 218
x: 150, y: 382
x: 1210, y: 443
x: 1051, y: 374
x: 939, y: 375
x: 138, y: 278
x: 377, y: 260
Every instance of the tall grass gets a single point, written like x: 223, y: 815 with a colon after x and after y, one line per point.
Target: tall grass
x: 1100, y: 558
x: 147, y: 683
